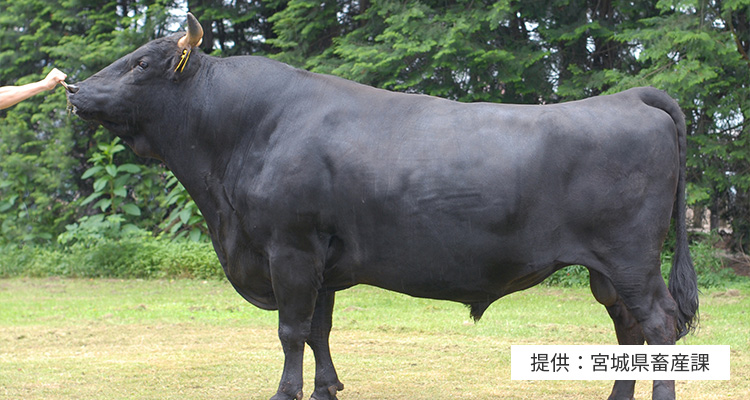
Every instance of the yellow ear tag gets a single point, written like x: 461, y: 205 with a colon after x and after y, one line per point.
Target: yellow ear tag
x: 183, y: 60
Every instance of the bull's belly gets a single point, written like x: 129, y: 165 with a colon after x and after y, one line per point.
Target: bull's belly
x: 465, y: 272
x: 466, y: 290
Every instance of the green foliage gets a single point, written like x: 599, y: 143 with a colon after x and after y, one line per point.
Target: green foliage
x: 117, y: 213
x: 463, y: 50
x: 43, y: 149
x: 185, y: 220
x: 37, y: 182
x: 237, y: 27
x: 147, y: 258
x: 572, y: 276
x: 129, y: 256
x: 91, y: 230
x: 111, y: 180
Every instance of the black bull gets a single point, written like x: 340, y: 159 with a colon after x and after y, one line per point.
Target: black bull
x: 311, y: 184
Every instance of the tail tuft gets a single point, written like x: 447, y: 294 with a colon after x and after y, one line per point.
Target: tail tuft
x: 684, y: 290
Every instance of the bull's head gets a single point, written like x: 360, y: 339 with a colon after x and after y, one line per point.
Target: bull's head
x: 138, y: 92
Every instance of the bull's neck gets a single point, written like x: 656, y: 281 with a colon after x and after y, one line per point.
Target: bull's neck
x: 227, y: 129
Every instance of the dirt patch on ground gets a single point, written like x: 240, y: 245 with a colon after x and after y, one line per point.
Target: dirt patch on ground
x: 740, y: 263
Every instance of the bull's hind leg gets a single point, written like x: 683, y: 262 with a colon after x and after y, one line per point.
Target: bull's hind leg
x: 628, y: 330
x: 327, y: 382
x: 644, y: 295
x: 654, y: 308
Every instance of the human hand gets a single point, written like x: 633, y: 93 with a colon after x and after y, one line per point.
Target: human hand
x: 53, y: 78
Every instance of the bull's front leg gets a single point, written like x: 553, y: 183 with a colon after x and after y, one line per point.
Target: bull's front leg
x: 296, y: 280
x: 327, y: 382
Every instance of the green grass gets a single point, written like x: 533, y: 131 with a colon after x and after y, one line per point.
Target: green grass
x: 190, y: 339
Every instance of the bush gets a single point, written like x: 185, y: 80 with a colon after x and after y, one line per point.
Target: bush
x: 30, y: 261
x: 572, y: 276
x: 130, y: 257
x: 708, y: 264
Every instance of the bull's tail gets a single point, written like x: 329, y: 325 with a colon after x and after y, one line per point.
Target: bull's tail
x: 683, y: 283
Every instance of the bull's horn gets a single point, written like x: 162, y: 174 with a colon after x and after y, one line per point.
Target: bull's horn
x: 194, y: 36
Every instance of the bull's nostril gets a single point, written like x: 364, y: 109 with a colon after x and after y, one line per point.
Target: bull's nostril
x: 71, y: 88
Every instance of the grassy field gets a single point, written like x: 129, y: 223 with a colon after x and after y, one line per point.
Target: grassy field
x: 188, y: 339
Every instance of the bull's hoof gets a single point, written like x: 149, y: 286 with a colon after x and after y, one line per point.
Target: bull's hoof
x: 331, y: 395
x: 284, y: 396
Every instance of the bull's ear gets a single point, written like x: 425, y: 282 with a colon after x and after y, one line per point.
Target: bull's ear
x: 194, y: 36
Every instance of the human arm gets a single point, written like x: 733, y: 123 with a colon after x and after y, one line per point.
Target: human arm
x: 11, y: 95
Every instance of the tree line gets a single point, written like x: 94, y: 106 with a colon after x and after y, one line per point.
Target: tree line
x: 60, y: 175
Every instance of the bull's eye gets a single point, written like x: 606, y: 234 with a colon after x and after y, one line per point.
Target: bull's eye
x: 143, y: 64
